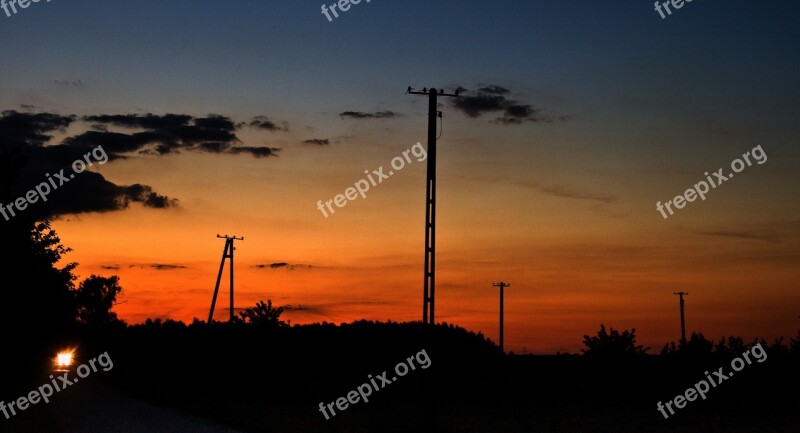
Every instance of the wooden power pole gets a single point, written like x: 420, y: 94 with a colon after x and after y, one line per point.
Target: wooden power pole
x: 683, y: 323
x: 227, y: 253
x: 502, y: 286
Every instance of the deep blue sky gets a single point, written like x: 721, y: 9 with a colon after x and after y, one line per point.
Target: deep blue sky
x: 247, y: 55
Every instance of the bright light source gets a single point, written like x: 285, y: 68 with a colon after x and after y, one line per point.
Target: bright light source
x: 64, y: 359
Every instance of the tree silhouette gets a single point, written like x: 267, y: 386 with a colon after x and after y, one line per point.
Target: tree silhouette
x: 37, y: 284
x: 263, y: 315
x: 612, y: 344
x: 36, y: 291
x: 794, y: 344
x: 698, y: 345
x: 669, y: 349
x: 732, y: 346
x: 36, y: 287
x: 95, y: 297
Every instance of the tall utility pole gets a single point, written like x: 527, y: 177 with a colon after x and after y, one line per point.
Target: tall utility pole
x: 429, y: 287
x: 226, y: 253
x: 501, y: 285
x: 683, y: 324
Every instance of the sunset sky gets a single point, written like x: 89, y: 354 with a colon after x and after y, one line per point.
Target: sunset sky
x: 576, y: 119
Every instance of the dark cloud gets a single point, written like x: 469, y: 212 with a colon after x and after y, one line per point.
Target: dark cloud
x: 476, y: 105
x: 282, y: 265
x: 215, y: 122
x: 318, y: 141
x: 110, y: 267
x: 118, y: 144
x: 166, y: 134
x: 25, y: 129
x: 493, y: 99
x: 145, y: 195
x: 171, y: 133
x: 363, y: 115
x: 264, y: 122
x: 23, y: 137
x: 91, y: 192
x: 257, y: 152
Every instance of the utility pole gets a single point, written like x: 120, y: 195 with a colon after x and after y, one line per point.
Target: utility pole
x: 501, y: 285
x: 429, y: 287
x: 226, y: 253
x: 683, y: 324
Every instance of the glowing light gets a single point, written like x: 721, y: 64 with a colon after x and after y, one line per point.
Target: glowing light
x: 64, y: 359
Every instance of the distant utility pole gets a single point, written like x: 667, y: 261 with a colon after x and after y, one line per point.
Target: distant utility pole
x: 429, y: 289
x: 502, y: 286
x: 226, y: 253
x: 683, y: 324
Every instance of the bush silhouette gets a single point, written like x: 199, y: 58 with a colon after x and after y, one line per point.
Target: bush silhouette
x: 613, y: 344
x: 263, y: 315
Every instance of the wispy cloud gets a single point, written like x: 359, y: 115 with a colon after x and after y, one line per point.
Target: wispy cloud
x: 69, y: 83
x: 166, y: 267
x: 567, y: 192
x: 365, y: 115
x: 264, y: 122
x: 769, y: 236
x: 282, y: 265
x: 318, y: 141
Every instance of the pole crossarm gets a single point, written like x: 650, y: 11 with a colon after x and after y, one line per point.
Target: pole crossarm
x: 426, y: 91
